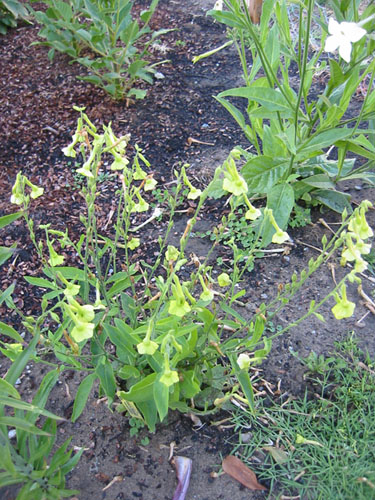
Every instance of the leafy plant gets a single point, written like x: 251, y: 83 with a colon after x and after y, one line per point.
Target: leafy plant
x: 28, y: 458
x: 292, y: 128
x: 10, y: 12
x: 155, y: 340
x: 103, y: 37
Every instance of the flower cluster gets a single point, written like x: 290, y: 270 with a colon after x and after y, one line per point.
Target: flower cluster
x: 19, y: 197
x: 355, y: 247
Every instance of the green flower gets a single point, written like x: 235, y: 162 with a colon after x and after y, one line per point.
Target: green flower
x: 359, y: 226
x: 179, y: 305
x: 233, y: 182
x: 280, y: 237
x: 71, y: 290
x: 223, y: 279
x: 54, y: 258
x: 133, y: 243
x: 141, y: 206
x: 119, y: 163
x: 82, y: 331
x: 207, y: 295
x: 150, y: 184
x: 35, y: 190
x: 169, y: 377
x: 194, y: 193
x: 343, y: 308
x: 18, y: 197
x: 172, y: 253
x: 147, y: 346
x: 243, y: 361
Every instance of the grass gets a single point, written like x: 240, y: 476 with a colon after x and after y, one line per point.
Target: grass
x: 321, y: 446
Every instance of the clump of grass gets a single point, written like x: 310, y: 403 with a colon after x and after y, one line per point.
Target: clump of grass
x: 322, y: 446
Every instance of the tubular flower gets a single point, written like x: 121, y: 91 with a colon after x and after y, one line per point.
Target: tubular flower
x: 207, y: 295
x: 148, y: 346
x: 280, y: 236
x: 252, y: 212
x: 342, y: 35
x: 54, y: 258
x: 233, y: 182
x: 343, y: 308
x: 179, y: 305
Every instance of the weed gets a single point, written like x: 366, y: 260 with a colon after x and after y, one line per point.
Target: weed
x: 319, y: 447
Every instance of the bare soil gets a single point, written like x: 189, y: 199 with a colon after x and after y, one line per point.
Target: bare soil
x: 36, y: 121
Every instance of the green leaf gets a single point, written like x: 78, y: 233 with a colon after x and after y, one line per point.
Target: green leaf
x: 8, y: 389
x: 128, y: 371
x: 319, y: 181
x: 137, y: 93
x: 82, y: 395
x: 334, y: 200
x: 41, y: 282
x: 271, y: 99
x: 161, y: 398
x: 141, y: 391
x: 19, y: 364
x: 23, y: 405
x: 323, y: 140
x: 6, y: 253
x: 121, y: 285
x: 106, y: 376
x: 20, y: 423
x: 10, y: 332
x: 8, y: 219
x: 263, y: 172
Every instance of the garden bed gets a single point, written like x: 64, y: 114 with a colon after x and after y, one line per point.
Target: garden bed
x: 179, y: 122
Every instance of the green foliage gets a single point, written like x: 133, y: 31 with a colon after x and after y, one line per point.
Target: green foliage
x: 156, y: 339
x: 103, y: 37
x: 300, y: 216
x: 321, y: 444
x: 27, y: 459
x: 10, y: 12
x: 7, y: 252
x: 293, y: 130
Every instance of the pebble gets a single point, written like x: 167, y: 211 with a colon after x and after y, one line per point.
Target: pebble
x: 12, y: 434
x: 205, y: 125
x: 358, y: 188
x: 18, y: 381
x: 264, y: 296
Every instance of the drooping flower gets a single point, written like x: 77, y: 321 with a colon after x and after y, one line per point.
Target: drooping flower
x: 54, y: 258
x: 147, y: 346
x: 172, y: 253
x: 82, y: 331
x: 18, y: 197
x: 233, y: 182
x: 279, y: 236
x: 243, y: 361
x: 150, y: 184
x: 343, y: 308
x: 134, y: 243
x: 342, y: 35
x: 178, y: 305
x: 207, y: 295
x: 169, y: 377
x: 194, y: 193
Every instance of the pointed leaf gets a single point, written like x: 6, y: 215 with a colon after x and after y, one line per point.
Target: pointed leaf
x: 239, y: 471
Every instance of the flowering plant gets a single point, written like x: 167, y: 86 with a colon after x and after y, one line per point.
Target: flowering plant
x: 166, y: 335
x: 299, y: 134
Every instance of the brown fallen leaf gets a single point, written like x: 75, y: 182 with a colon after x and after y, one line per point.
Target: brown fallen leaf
x: 255, y: 10
x: 239, y: 471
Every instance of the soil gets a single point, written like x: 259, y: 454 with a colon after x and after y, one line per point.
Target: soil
x: 178, y: 122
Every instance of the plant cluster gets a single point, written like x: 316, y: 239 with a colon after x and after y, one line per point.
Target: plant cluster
x: 295, y: 134
x: 10, y: 12
x: 104, y: 37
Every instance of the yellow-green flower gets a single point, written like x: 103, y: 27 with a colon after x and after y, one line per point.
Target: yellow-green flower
x: 207, y: 295
x: 147, y: 346
x: 223, y: 279
x: 179, y: 305
x: 134, y: 243
x: 169, y: 377
x: 343, y: 308
x: 172, y: 253
x: 280, y: 237
x: 243, y: 361
x: 54, y: 258
x: 150, y: 184
x: 119, y: 163
x: 194, y: 193
x: 71, y: 290
x: 233, y: 182
x: 82, y: 331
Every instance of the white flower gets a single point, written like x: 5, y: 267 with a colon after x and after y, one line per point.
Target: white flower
x: 218, y: 5
x: 342, y: 35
